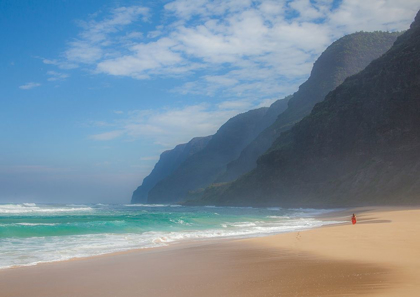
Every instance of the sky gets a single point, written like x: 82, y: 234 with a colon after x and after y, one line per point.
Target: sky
x: 92, y: 92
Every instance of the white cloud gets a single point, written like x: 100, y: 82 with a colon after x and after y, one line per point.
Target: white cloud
x: 59, y: 64
x: 235, y: 105
x: 146, y: 59
x: 309, y: 11
x: 81, y: 51
x: 237, y: 50
x: 387, y: 15
x: 267, y: 102
x: 54, y: 76
x: 186, y: 9
x: 170, y: 126
x: 29, y: 86
x: 228, y: 48
x: 96, y: 41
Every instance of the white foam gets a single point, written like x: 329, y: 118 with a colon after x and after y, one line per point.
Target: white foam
x: 231, y: 207
x: 181, y: 222
x: 244, y: 224
x: 35, y: 250
x: 26, y: 208
x: 29, y: 204
x: 278, y: 217
x: 147, y: 205
x: 36, y: 224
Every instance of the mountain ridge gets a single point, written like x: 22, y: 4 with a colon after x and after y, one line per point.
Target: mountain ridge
x: 344, y: 57
x: 168, y: 161
x: 201, y: 169
x: 360, y: 146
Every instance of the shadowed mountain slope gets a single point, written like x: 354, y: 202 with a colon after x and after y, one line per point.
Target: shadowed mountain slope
x: 360, y: 146
x: 201, y: 169
x: 168, y: 162
x: 345, y: 57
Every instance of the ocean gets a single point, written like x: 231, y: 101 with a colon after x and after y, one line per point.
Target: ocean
x: 39, y: 233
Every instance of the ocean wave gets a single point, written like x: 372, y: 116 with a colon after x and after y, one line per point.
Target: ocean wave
x: 180, y: 222
x: 243, y: 224
x: 278, y: 217
x: 28, y: 204
x: 34, y: 250
x: 229, y: 207
x: 116, y: 228
x: 33, y: 208
x: 37, y: 224
x: 147, y: 205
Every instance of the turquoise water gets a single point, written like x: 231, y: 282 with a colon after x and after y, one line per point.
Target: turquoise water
x: 37, y: 233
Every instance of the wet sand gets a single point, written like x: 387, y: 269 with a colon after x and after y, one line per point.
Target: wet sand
x: 379, y: 256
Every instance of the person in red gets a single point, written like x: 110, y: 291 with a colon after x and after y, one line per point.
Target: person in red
x: 353, y: 219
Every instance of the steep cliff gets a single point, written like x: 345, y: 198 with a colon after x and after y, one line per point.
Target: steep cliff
x: 360, y: 146
x: 168, y: 162
x: 345, y: 57
x: 202, y: 169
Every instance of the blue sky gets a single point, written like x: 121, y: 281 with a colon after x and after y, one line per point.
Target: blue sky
x: 93, y: 91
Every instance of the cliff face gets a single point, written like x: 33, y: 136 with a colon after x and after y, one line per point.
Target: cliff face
x: 360, y: 146
x: 345, y: 57
x: 202, y: 169
x: 168, y: 162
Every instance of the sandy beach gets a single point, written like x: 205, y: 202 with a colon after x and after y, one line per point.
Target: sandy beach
x: 379, y: 256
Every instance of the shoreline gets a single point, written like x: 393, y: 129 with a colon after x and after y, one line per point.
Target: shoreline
x: 334, y: 214
x: 376, y: 257
x: 194, y: 241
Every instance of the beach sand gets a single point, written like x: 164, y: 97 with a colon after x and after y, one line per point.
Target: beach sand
x: 379, y: 256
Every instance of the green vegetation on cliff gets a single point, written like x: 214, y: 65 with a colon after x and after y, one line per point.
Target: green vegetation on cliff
x: 360, y: 146
x: 345, y: 57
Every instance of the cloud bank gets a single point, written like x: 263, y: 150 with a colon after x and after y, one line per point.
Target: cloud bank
x: 229, y: 47
x: 234, y: 50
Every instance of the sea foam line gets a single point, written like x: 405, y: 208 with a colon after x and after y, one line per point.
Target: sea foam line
x: 35, y: 250
x: 33, y: 208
